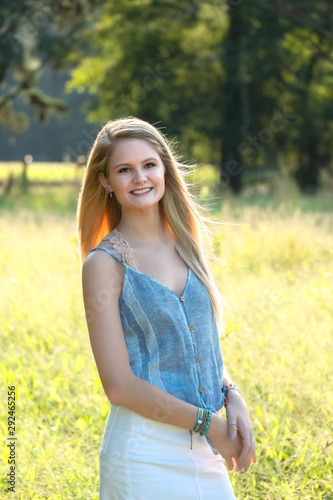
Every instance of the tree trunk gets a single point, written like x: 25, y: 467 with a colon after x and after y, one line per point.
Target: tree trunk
x: 307, y: 175
x: 231, y: 162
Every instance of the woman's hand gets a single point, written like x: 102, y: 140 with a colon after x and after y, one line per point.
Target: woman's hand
x: 228, y: 448
x: 238, y: 419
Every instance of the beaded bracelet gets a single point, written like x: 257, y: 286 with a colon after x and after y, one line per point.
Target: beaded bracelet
x: 202, y: 421
x: 206, y: 423
x: 225, y: 389
x: 198, y: 419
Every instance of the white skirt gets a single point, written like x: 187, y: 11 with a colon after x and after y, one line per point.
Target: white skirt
x: 141, y: 459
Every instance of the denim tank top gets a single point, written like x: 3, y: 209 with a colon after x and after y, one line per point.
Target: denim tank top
x: 172, y: 339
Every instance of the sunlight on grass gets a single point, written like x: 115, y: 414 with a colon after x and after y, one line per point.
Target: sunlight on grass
x: 275, y: 270
x: 278, y: 281
x: 41, y: 171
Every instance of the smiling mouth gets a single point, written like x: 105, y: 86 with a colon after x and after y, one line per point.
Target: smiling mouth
x: 141, y: 191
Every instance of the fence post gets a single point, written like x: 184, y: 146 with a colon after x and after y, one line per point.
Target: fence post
x: 27, y: 159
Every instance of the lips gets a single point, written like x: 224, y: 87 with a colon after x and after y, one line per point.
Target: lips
x: 141, y: 191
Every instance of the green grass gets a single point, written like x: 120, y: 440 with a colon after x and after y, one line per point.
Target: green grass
x: 41, y: 171
x: 275, y: 269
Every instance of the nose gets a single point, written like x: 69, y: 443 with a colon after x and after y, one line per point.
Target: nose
x: 139, y: 176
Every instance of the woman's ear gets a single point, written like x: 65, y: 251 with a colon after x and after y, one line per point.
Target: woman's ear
x: 102, y: 180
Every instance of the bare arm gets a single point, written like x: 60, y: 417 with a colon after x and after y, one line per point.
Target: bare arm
x: 226, y: 377
x: 102, y: 282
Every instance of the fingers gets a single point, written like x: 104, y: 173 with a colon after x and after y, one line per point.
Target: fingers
x: 239, y: 422
x: 253, y: 445
x: 232, y: 430
x: 232, y: 422
x: 244, y: 459
x: 229, y: 463
x: 247, y: 454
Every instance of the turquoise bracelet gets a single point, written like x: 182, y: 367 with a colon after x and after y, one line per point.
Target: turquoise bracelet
x: 206, y: 423
x: 202, y: 421
x: 199, y: 419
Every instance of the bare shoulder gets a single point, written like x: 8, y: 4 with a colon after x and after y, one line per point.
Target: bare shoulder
x: 97, y: 261
x: 100, y: 271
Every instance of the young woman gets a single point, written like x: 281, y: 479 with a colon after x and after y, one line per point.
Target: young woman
x: 153, y: 314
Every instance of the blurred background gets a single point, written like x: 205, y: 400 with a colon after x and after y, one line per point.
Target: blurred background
x: 244, y: 90
x: 245, y: 86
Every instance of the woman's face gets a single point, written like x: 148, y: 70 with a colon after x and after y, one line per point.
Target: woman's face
x: 136, y: 174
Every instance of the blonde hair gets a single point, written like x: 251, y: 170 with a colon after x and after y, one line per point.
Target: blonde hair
x: 98, y: 214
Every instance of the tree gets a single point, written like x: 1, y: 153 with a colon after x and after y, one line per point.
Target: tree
x: 310, y: 44
x: 216, y: 71
x: 187, y: 64
x: 33, y: 35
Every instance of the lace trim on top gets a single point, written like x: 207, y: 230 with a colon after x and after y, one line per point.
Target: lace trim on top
x: 122, y: 247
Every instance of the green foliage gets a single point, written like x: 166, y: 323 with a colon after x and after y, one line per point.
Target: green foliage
x: 249, y: 80
x: 247, y: 85
x: 147, y: 58
x: 33, y: 35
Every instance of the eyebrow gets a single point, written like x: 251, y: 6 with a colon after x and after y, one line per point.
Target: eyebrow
x: 129, y: 164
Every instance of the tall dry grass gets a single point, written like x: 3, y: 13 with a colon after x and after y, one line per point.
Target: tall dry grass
x: 274, y: 268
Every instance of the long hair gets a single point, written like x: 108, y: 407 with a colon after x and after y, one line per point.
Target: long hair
x: 98, y: 214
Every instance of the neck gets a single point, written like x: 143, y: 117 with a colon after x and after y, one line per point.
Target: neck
x: 143, y: 228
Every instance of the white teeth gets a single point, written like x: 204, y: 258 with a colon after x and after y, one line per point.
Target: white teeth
x: 139, y: 191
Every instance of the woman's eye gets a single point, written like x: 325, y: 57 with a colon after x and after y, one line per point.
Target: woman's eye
x: 126, y: 169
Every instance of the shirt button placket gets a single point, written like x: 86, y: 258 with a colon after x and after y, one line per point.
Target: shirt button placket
x: 196, y: 358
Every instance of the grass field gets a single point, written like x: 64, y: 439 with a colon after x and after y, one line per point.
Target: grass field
x: 275, y: 269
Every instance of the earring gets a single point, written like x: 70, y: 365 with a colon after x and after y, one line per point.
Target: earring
x: 109, y: 193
